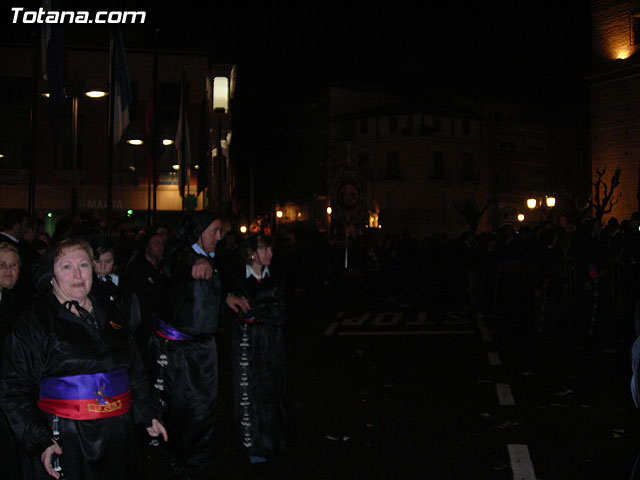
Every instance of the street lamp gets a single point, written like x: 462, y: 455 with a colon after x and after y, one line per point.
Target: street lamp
x: 95, y: 94
x: 220, y: 86
x: 547, y: 204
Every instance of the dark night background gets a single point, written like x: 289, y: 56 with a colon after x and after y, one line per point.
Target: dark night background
x: 288, y: 55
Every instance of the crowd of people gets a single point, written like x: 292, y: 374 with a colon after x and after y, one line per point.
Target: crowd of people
x: 106, y: 337
x: 575, y: 286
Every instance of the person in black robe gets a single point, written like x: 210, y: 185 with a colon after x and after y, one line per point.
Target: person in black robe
x: 258, y: 358
x: 9, y: 274
x: 183, y: 350
x: 72, y: 382
x: 145, y: 277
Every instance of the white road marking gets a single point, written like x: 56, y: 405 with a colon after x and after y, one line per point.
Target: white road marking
x: 421, y: 321
x: 331, y: 329
x: 521, y: 465
x: 484, y: 332
x: 505, y: 397
x: 357, y: 322
x: 494, y: 359
x: 382, y: 320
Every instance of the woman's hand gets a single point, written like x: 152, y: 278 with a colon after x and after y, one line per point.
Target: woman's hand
x: 156, y: 429
x: 47, y: 456
x: 235, y: 303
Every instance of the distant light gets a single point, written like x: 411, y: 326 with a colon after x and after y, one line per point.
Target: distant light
x: 379, y: 226
x: 623, y: 54
x: 329, y: 210
x: 1, y: 155
x: 135, y: 141
x: 196, y: 166
x: 243, y: 229
x: 50, y: 215
x: 45, y: 94
x: 95, y: 94
x: 129, y: 212
x: 132, y: 168
x: 520, y: 217
x: 551, y: 202
x: 167, y: 141
x: 532, y: 203
x: 175, y: 167
x: 279, y: 214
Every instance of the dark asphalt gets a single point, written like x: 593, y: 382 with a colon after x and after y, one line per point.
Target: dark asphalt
x: 378, y: 403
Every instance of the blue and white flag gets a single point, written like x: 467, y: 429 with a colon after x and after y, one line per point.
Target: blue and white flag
x: 122, y: 88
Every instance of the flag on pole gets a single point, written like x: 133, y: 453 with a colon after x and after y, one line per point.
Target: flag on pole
x: 182, y: 143
x: 54, y: 69
x: 204, y: 154
x: 122, y: 88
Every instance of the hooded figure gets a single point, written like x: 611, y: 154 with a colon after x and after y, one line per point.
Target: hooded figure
x: 184, y: 361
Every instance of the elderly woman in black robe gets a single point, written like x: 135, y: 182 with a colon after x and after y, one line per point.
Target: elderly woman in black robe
x: 72, y: 383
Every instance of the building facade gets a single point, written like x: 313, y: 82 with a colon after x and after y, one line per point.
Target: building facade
x: 64, y: 185
x: 614, y: 86
x: 398, y: 167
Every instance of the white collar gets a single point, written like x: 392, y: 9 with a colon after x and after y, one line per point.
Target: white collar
x: 250, y: 272
x: 201, y: 251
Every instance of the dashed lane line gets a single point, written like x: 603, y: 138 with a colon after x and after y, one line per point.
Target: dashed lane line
x: 505, y: 397
x: 494, y: 359
x: 521, y: 462
x: 484, y: 332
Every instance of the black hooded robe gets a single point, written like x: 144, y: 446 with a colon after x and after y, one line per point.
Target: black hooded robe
x: 49, y: 341
x: 185, y: 372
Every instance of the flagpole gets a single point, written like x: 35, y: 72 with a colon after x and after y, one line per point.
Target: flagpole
x: 154, y: 157
x: 110, y: 130
x: 33, y: 117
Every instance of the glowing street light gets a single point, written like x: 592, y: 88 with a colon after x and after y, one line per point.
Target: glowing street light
x: 329, y: 210
x: 521, y: 217
x: 532, y: 203
x: 243, y: 229
x: 95, y: 94
x: 279, y: 213
x: 551, y: 202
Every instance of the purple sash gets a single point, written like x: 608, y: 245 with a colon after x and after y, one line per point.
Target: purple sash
x: 86, y: 397
x: 163, y: 330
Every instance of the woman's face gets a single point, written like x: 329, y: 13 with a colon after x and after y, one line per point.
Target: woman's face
x: 264, y: 256
x: 103, y: 266
x: 9, y: 269
x: 73, y: 274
